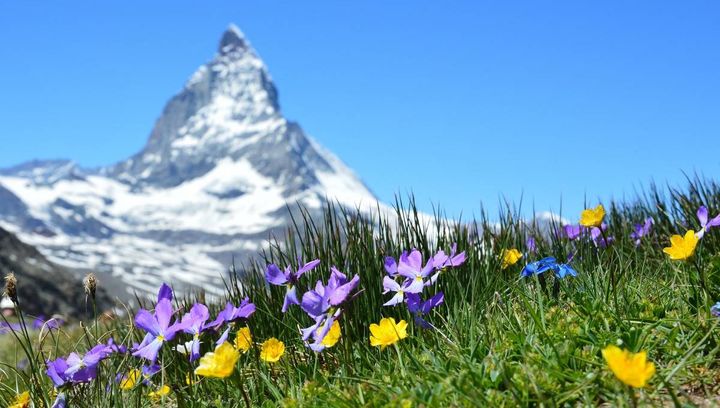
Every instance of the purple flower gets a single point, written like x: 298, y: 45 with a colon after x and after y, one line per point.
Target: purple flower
x: 391, y: 285
x: 116, y: 348
x: 705, y: 225
x: 288, y: 278
x: 232, y: 313
x: 642, y: 230
x: 391, y: 266
x: 440, y: 260
x: 530, y: 244
x: 598, y: 238
x: 324, y: 305
x: 572, y: 232
x: 411, y: 267
x: 420, y: 308
x: 158, y: 328
x: 148, y: 371
x: 56, y: 371
x: 715, y: 309
x: 193, y: 323
x: 84, y: 369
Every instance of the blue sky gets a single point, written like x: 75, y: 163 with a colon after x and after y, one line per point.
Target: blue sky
x: 459, y: 102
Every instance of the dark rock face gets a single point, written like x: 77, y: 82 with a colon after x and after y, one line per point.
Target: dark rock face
x: 45, y: 288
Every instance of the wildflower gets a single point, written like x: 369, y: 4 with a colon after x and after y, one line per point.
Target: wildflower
x: 21, y: 401
x: 220, y: 363
x: 275, y: 276
x: 131, y: 379
x: 510, y: 257
x: 642, y: 230
x: 682, y: 248
x: 572, y: 232
x: 531, y: 245
x: 387, y: 332
x: 592, y: 217
x: 332, y: 336
x: 548, y: 264
x: 232, y: 313
x: 56, y: 371
x: 715, y: 309
x: 272, y: 349
x: 90, y: 285
x: 630, y: 368
x: 420, y: 308
x: 11, y: 287
x: 702, y: 214
x: 599, y: 237
x: 391, y: 285
x: 84, y: 369
x: 158, y: 328
x: 243, y: 339
x: 391, y: 266
x: 193, y: 323
x: 441, y: 261
x: 412, y: 268
x: 159, y: 393
x: 325, y: 304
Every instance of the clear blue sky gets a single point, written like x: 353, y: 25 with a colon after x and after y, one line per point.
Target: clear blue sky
x: 460, y: 102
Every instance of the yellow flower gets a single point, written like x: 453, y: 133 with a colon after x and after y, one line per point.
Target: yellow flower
x: 220, y: 363
x: 130, y: 379
x: 243, y: 339
x: 682, y: 248
x: 632, y: 369
x: 272, y: 350
x: 592, y: 217
x: 387, y: 332
x: 21, y: 401
x: 332, y: 336
x: 161, y: 392
x: 510, y: 257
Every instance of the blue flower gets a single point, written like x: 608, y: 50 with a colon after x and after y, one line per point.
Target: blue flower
x: 715, y: 309
x: 547, y: 264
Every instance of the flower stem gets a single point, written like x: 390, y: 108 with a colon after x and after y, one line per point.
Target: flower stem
x: 402, y: 366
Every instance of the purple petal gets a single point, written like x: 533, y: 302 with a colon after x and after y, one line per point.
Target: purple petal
x: 163, y: 313
x: 307, y: 267
x: 165, y: 292
x: 275, y: 276
x: 342, y: 292
x: 223, y: 338
x: 713, y: 222
x: 390, y: 266
x: 150, y: 351
x: 312, y: 304
x: 398, y: 298
x: 195, y: 353
x: 702, y: 214
x: 146, y: 321
x: 290, y: 298
x: 390, y: 285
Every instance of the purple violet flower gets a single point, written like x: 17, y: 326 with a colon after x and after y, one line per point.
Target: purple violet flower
x: 288, y: 278
x: 193, y: 323
x: 572, y: 232
x: 420, y: 308
x: 231, y: 313
x: 391, y: 285
x: 412, y: 268
x: 165, y: 292
x: 158, y: 328
x: 705, y: 225
x: 642, y: 230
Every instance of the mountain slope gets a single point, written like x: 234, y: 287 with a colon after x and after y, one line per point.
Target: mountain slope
x: 213, y: 181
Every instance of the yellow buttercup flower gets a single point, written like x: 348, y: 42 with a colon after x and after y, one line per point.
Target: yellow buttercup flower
x: 592, y: 217
x: 21, y: 401
x: 387, y: 332
x: 243, y: 339
x: 682, y: 248
x: 130, y: 379
x: 332, y: 336
x: 510, y: 257
x: 160, y: 392
x: 631, y: 368
x: 272, y: 350
x: 220, y: 363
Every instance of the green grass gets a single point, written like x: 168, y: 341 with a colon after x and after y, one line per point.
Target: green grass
x: 501, y: 340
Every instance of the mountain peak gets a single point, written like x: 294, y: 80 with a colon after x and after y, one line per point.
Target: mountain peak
x: 232, y: 38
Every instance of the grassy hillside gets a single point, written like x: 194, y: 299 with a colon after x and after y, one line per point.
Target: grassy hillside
x: 498, y: 339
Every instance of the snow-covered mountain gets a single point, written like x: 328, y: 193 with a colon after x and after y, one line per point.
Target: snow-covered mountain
x: 212, y: 182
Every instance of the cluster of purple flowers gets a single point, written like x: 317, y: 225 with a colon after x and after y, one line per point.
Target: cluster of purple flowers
x: 598, y: 235
x: 324, y: 304
x: 160, y: 329
x: 407, y: 277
